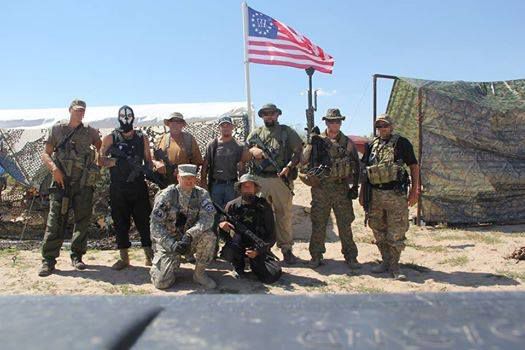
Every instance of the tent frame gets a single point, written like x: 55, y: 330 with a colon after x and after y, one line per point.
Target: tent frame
x: 419, y: 122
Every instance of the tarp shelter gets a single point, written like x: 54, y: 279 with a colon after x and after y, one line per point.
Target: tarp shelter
x: 469, y: 138
x: 23, y: 131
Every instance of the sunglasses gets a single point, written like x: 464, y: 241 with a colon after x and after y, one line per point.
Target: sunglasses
x: 268, y: 113
x: 382, y: 126
x: 333, y: 121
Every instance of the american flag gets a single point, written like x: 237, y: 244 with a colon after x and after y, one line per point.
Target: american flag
x: 273, y: 42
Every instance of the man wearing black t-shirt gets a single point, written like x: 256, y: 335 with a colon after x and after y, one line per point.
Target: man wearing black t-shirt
x: 388, y: 212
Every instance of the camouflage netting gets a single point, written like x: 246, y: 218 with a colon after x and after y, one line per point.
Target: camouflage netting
x: 471, y: 152
x: 20, y: 153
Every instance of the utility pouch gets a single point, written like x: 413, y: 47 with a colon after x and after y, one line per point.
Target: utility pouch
x: 382, y: 173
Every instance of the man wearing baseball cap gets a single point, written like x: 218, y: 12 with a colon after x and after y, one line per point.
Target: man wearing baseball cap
x: 70, y: 157
x: 224, y: 157
x: 174, y: 148
x: 181, y: 223
x: 385, y: 163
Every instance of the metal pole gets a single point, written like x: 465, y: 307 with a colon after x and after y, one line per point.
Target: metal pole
x: 420, y: 150
x: 374, y: 104
x: 244, y: 9
x: 310, y: 121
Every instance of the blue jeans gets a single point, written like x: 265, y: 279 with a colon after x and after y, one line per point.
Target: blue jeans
x: 222, y: 193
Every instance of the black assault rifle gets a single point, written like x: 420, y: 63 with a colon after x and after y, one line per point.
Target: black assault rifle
x: 138, y: 168
x: 269, y: 154
x: 240, y: 228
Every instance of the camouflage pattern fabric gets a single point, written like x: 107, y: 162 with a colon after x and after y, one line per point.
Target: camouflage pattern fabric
x: 472, y: 155
x: 388, y: 219
x: 165, y: 233
x: 332, y: 195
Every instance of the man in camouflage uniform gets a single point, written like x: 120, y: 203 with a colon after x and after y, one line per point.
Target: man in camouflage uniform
x: 277, y: 182
x: 335, y: 189
x: 181, y: 223
x: 388, y: 213
x: 174, y: 148
x: 70, y: 157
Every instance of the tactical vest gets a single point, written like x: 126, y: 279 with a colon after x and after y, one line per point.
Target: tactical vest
x: 276, y: 139
x: 187, y: 146
x: 76, y: 156
x: 342, y: 164
x: 133, y: 148
x: 382, y: 168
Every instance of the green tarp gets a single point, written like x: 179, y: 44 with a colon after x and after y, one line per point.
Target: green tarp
x: 469, y: 137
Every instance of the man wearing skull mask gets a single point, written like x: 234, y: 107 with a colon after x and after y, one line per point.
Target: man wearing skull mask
x: 128, y: 191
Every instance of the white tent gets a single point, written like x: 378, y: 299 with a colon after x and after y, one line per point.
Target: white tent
x: 106, y: 116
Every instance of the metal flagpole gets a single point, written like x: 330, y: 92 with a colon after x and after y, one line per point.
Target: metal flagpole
x: 244, y: 8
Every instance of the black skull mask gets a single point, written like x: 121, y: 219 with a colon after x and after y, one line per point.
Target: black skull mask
x: 126, y: 117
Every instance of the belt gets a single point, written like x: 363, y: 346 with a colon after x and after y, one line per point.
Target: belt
x: 385, y: 187
x: 224, y: 182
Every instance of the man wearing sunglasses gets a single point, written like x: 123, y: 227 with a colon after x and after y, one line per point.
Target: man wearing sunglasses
x: 336, y: 189
x: 388, y: 214
x: 276, y: 179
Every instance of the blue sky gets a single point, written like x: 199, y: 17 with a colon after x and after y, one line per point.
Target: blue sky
x: 134, y: 52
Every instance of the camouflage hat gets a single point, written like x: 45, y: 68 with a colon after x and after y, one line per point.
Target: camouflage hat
x: 174, y: 116
x: 269, y: 107
x: 384, y: 118
x: 248, y: 178
x: 333, y: 114
x: 77, y: 104
x: 225, y: 119
x: 187, y: 170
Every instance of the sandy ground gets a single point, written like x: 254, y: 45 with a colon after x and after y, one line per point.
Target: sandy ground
x: 435, y: 260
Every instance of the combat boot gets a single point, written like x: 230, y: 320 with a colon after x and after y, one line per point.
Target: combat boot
x: 289, y: 258
x: 316, y: 261
x: 394, y: 266
x: 46, y: 269
x: 200, y: 277
x: 123, y: 262
x: 385, y: 255
x: 77, y: 263
x: 352, y: 263
x: 148, y: 254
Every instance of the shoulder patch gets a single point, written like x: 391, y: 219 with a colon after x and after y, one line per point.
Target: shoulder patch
x: 207, y: 205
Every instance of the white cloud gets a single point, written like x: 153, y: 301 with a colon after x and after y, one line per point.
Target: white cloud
x: 321, y: 92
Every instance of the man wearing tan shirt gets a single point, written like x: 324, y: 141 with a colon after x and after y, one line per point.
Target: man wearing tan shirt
x: 174, y: 148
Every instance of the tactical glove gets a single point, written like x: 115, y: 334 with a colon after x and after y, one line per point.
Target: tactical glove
x: 184, y: 244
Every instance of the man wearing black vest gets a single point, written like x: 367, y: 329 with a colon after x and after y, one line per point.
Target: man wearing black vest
x: 124, y: 151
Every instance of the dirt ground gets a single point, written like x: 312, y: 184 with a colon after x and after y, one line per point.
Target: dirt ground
x: 435, y: 260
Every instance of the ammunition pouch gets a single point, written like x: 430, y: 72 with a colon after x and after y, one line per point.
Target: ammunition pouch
x: 383, y: 173
x: 309, y: 179
x: 66, y: 165
x: 92, y: 175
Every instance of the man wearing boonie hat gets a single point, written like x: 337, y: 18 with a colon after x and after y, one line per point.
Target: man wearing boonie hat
x: 181, y: 223
x: 70, y: 157
x: 277, y: 183
x: 335, y: 190
x: 257, y: 215
x: 388, y: 154
x: 174, y: 148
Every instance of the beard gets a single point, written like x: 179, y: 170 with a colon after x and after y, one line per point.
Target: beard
x: 269, y: 124
x: 248, y: 197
